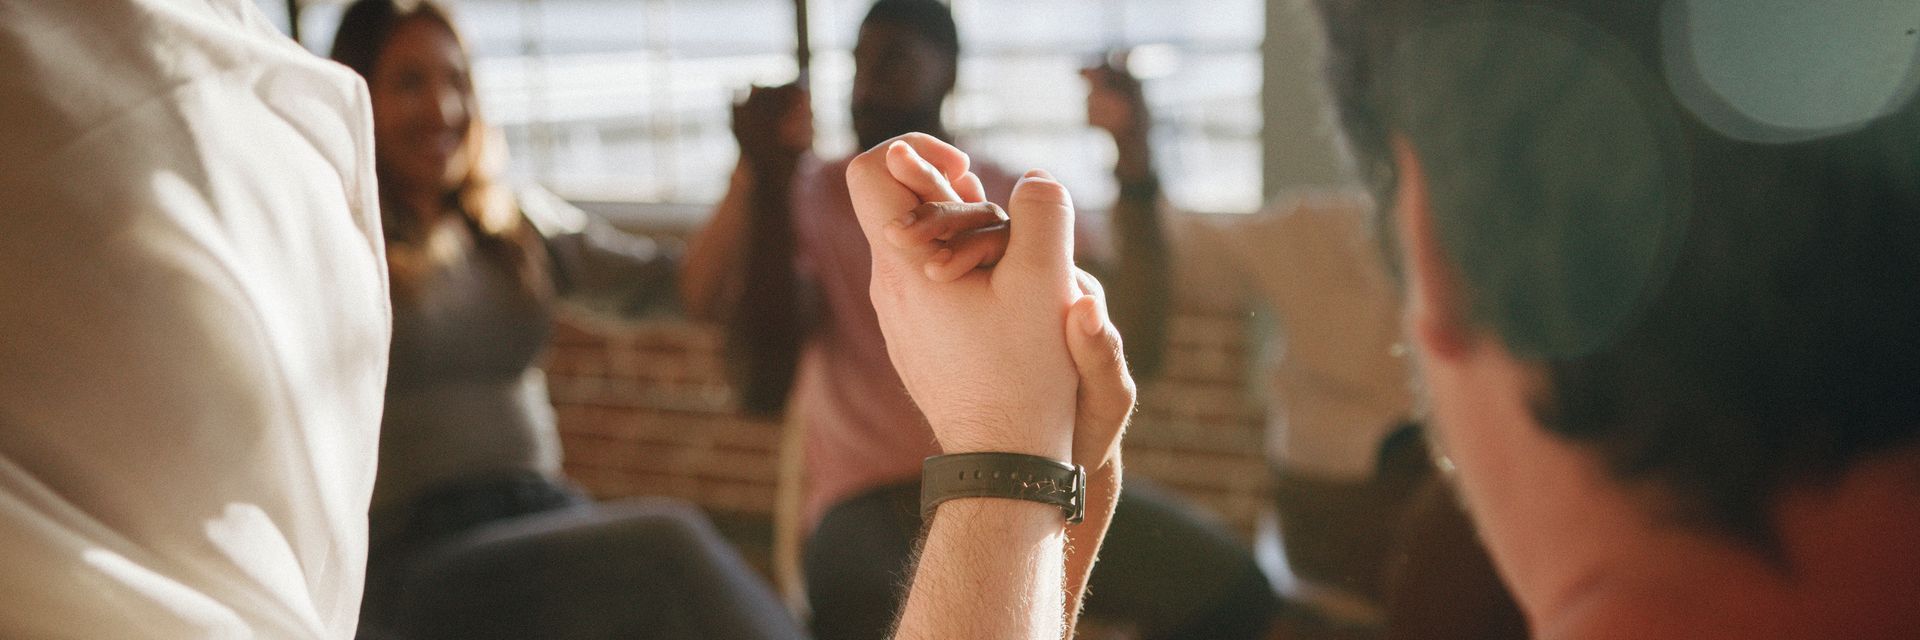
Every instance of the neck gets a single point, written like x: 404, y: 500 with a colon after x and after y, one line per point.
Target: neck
x: 423, y: 206
x: 1587, y: 558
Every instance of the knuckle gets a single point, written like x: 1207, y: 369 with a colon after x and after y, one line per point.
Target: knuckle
x: 1094, y: 288
x: 864, y: 162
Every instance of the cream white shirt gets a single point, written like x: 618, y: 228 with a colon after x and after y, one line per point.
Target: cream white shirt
x: 193, y: 325
x: 1339, y: 386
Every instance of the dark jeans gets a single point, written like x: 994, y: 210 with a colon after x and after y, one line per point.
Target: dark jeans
x: 1400, y: 540
x: 1342, y: 533
x: 1165, y: 569
x: 522, y: 557
x: 1444, y: 586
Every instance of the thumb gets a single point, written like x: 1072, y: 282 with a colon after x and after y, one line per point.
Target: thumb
x: 1107, y: 390
x: 1040, y: 242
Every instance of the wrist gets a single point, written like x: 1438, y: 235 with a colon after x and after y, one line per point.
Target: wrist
x: 1134, y: 168
x: 1050, y: 438
x: 1138, y: 186
x: 1133, y: 142
x: 956, y: 476
x: 765, y: 167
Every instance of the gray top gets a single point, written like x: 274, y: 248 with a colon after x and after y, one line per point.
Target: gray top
x: 464, y: 397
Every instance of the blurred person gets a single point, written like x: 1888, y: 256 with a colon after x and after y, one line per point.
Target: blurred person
x: 1340, y: 436
x: 1666, y: 344
x: 1370, y: 542
x: 193, y: 327
x: 784, y: 264
x: 474, y: 530
x: 1637, y: 465
x: 1440, y: 583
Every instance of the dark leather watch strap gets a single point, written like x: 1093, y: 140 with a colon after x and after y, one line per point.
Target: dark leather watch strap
x: 1004, y: 475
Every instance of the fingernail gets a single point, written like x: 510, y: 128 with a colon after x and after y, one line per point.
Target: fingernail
x: 1038, y: 173
x: 941, y: 257
x: 905, y: 220
x: 902, y: 147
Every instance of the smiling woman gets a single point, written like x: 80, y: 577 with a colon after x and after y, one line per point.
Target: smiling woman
x: 425, y: 115
x: 432, y: 147
x: 473, y: 531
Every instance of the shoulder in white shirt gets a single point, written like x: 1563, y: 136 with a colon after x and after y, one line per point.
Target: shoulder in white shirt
x: 193, y: 329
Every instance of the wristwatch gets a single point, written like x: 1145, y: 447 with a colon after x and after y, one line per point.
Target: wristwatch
x: 1004, y: 475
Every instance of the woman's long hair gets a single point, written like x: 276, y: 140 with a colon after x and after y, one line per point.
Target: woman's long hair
x: 486, y: 206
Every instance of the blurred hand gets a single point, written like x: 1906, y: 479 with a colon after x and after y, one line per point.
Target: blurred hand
x: 774, y: 125
x: 983, y: 355
x: 1115, y: 101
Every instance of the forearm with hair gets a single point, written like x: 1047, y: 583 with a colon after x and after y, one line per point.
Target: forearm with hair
x: 1084, y: 539
x: 989, y: 568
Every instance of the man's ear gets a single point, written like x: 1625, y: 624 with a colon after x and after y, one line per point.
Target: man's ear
x: 1436, y: 309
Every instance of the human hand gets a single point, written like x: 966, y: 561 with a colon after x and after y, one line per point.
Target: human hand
x: 1107, y: 392
x: 949, y: 235
x: 774, y: 125
x: 1105, y: 402
x: 1116, y: 101
x: 983, y: 355
x: 966, y: 236
x: 971, y: 235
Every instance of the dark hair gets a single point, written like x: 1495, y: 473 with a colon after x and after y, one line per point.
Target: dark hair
x: 930, y: 19
x: 1717, y: 314
x: 488, y: 207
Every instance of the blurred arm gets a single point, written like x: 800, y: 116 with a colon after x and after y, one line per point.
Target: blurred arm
x: 1140, y: 275
x: 769, y: 322
x: 599, y: 267
x: 710, y: 275
x: 741, y: 270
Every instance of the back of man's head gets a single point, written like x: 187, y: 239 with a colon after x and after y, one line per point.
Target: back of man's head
x: 1703, y: 226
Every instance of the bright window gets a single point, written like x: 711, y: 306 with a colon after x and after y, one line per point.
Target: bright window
x: 628, y: 99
